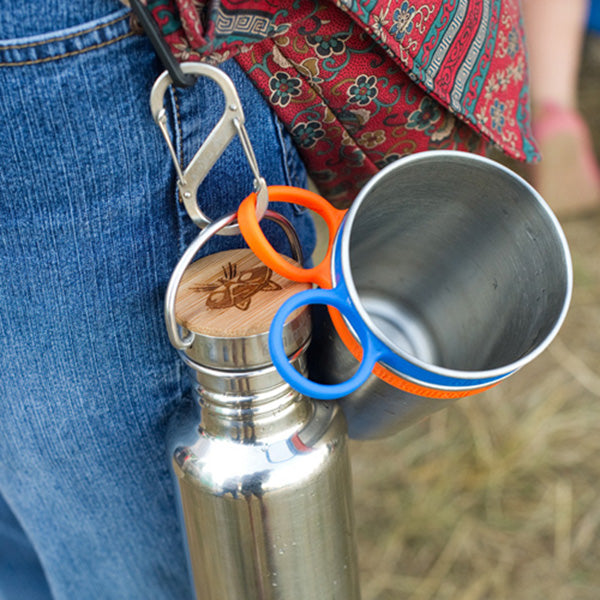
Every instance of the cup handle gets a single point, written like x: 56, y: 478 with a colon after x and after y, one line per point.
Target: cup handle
x: 250, y: 228
x: 332, y: 297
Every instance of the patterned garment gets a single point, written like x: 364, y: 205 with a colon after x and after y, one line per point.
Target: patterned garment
x: 360, y: 83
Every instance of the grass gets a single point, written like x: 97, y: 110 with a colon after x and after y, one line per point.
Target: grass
x: 498, y: 496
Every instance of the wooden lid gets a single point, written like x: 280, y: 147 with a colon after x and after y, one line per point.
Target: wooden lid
x: 232, y: 294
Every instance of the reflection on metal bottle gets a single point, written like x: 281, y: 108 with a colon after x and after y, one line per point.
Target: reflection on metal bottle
x: 263, y: 473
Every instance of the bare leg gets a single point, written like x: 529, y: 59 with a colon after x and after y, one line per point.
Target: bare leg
x: 554, y: 30
x: 568, y: 176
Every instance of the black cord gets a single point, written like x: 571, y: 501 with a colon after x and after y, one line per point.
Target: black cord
x: 180, y: 79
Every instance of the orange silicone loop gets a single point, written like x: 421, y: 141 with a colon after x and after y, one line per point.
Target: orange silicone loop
x: 250, y: 228
x: 391, y: 378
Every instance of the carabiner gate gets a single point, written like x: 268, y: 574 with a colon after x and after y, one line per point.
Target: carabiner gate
x: 229, y: 125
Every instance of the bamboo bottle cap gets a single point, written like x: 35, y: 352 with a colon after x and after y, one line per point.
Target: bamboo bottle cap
x: 228, y: 300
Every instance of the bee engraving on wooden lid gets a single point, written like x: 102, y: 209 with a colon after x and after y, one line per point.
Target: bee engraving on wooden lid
x: 232, y: 294
x: 236, y: 287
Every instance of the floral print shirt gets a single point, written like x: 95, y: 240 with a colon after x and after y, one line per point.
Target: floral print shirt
x: 360, y: 83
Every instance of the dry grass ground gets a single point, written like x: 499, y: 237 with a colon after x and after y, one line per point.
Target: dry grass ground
x: 499, y: 496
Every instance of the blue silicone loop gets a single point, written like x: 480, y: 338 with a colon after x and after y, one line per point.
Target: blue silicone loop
x: 337, y: 299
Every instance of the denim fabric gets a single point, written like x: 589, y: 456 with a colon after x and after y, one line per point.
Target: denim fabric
x: 90, y: 230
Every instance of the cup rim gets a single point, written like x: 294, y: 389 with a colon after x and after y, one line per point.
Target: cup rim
x: 498, y: 372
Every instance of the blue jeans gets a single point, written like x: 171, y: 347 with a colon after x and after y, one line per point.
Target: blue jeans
x: 90, y: 230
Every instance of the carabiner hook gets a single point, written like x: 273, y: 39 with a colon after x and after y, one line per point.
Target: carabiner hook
x: 229, y: 125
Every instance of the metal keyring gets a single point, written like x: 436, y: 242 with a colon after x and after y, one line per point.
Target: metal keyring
x: 173, y: 329
x: 230, y: 125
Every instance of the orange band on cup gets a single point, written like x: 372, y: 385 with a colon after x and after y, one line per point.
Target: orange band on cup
x: 392, y: 378
x: 321, y: 275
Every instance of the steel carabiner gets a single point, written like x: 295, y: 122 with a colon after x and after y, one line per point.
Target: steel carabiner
x: 229, y: 125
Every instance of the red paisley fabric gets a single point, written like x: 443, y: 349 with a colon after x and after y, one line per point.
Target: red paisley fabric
x: 360, y: 83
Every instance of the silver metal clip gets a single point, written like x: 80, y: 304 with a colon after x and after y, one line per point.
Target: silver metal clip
x: 230, y: 124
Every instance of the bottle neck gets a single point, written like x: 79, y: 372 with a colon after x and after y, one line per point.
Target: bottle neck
x: 249, y: 406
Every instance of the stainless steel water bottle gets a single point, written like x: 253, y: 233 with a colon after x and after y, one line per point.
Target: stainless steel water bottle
x: 263, y: 474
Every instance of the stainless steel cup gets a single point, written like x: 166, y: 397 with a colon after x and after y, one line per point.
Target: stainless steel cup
x: 376, y: 409
x: 451, y: 271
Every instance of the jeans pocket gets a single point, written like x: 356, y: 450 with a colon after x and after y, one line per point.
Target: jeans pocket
x: 64, y: 43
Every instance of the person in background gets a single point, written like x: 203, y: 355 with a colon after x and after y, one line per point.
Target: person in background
x: 568, y: 176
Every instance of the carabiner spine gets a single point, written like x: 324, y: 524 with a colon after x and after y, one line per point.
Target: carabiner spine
x: 231, y: 123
